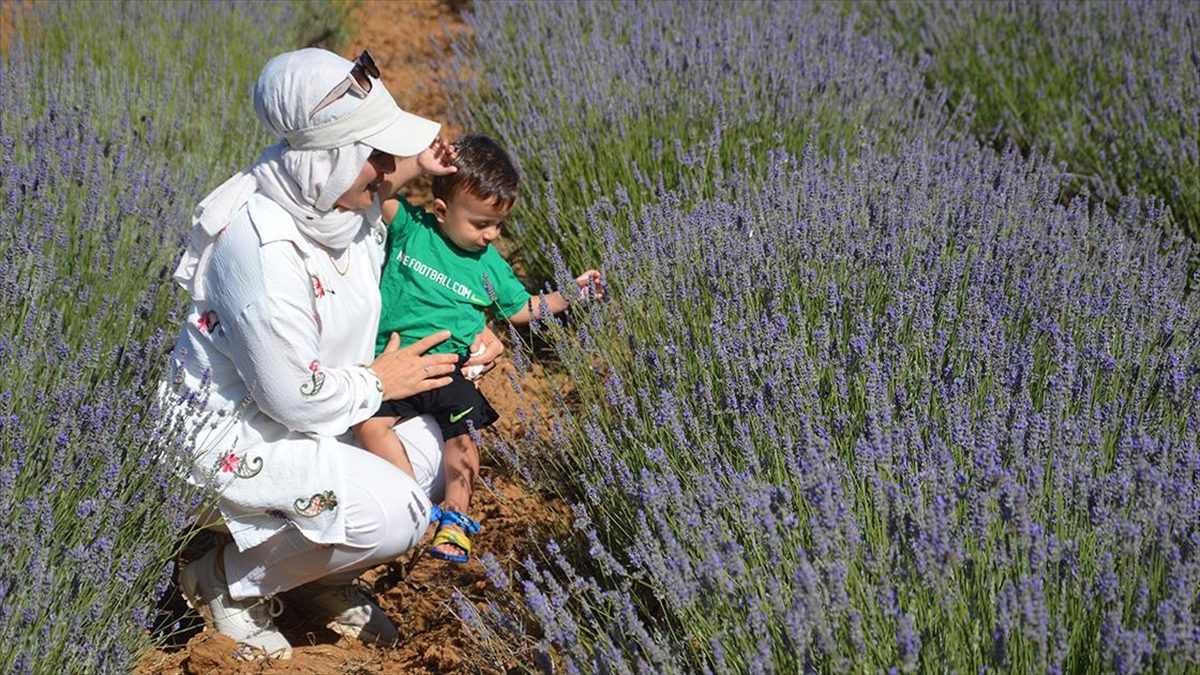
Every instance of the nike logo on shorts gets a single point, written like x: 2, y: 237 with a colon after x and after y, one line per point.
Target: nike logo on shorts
x: 458, y: 416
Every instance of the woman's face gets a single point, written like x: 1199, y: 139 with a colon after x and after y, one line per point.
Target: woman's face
x: 362, y: 191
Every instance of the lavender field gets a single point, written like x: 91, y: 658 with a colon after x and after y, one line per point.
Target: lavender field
x: 875, y: 392
x: 1109, y: 88
x: 898, y: 370
x: 106, y: 143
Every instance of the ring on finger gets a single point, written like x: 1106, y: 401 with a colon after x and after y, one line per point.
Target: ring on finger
x: 425, y: 369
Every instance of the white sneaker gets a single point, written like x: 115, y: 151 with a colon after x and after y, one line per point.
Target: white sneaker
x: 353, y: 613
x: 246, y: 621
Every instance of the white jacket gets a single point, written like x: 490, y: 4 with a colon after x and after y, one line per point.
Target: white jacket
x: 271, y: 370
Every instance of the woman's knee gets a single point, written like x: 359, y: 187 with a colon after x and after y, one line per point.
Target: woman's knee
x: 386, y: 510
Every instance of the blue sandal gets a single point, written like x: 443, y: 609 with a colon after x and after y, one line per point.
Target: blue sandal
x: 454, y: 528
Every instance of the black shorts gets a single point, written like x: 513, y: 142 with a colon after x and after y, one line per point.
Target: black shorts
x: 452, y: 406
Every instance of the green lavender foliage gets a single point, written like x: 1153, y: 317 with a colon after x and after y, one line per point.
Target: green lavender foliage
x: 115, y: 118
x: 592, y: 95
x: 1110, y: 88
x: 889, y: 401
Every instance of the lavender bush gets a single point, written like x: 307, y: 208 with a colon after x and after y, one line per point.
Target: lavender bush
x: 1108, y: 87
x: 876, y: 400
x: 907, y: 413
x: 592, y: 95
x: 106, y: 143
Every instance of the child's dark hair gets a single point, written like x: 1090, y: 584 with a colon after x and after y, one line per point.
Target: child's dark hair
x: 484, y: 170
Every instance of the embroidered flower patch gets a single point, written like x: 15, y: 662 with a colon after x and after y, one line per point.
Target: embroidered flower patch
x: 239, y: 466
x: 318, y: 288
x: 317, y: 382
x: 317, y: 504
x: 208, y: 321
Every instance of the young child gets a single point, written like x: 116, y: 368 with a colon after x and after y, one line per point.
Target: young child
x: 441, y: 272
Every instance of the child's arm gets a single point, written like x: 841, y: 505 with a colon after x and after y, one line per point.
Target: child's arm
x: 436, y: 160
x: 555, y: 302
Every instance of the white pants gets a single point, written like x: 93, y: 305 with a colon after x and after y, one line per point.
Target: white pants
x: 386, y: 514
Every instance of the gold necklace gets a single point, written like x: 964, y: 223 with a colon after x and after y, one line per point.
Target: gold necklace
x: 349, y: 259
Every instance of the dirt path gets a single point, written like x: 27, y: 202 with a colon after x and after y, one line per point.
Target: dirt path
x: 407, y: 40
x: 416, y: 592
x: 8, y: 10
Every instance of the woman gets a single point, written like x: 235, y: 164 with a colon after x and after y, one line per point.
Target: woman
x: 275, y: 360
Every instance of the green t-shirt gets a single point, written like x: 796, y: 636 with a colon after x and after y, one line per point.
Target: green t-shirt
x: 429, y: 284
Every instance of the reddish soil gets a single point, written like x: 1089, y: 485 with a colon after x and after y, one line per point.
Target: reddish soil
x: 416, y: 591
x: 407, y: 40
x: 9, y: 9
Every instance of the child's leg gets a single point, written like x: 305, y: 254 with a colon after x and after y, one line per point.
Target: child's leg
x: 461, y: 462
x: 458, y: 408
x: 376, y: 436
x: 460, y: 459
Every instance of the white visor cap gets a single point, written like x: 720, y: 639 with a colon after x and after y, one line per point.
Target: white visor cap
x: 292, y: 85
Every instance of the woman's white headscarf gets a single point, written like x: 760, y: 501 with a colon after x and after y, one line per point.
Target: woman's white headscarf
x: 316, y: 161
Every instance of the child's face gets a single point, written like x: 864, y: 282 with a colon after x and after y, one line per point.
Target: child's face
x: 470, y: 222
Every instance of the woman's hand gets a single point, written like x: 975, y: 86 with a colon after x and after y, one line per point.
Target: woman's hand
x: 484, y: 352
x: 409, y: 371
x: 438, y: 158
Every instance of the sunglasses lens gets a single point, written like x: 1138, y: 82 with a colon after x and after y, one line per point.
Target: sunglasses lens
x: 368, y: 64
x: 361, y: 79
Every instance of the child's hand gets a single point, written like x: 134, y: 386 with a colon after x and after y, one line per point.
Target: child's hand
x: 484, y: 351
x: 591, y: 280
x: 438, y: 159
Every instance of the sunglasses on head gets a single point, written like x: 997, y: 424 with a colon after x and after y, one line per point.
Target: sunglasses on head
x: 357, y: 83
